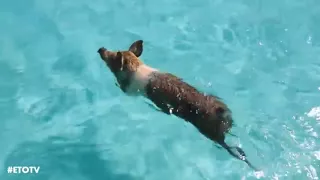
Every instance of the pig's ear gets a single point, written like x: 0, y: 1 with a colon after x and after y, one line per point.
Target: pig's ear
x: 137, y: 47
x: 119, y: 60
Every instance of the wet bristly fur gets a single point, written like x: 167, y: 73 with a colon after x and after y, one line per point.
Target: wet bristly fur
x: 171, y: 95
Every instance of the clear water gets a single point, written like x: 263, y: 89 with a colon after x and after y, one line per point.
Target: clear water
x: 61, y: 110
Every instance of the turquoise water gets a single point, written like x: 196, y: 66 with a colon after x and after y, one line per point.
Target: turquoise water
x: 60, y: 109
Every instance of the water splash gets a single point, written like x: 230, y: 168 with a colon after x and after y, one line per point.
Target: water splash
x: 314, y: 113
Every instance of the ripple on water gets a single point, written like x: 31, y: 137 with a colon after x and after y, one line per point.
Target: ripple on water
x: 9, y: 82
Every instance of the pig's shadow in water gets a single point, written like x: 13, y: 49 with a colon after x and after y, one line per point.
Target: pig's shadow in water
x: 62, y: 159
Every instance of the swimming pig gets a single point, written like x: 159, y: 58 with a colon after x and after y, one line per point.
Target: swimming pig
x: 171, y: 95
